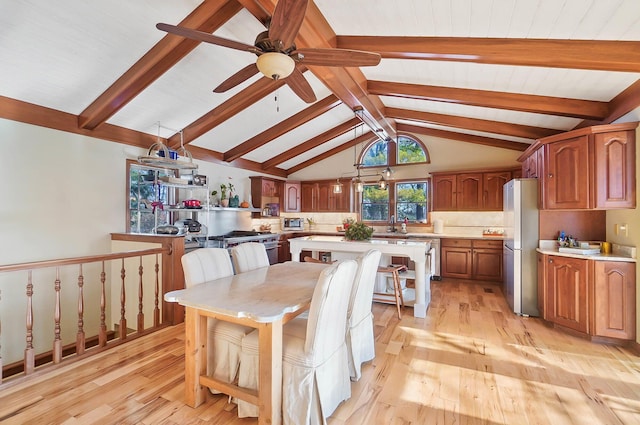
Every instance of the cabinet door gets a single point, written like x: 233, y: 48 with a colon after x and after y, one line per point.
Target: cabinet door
x: 567, y: 177
x: 469, y: 192
x: 444, y: 192
x: 455, y: 262
x: 493, y: 190
x: 614, y: 174
x: 614, y: 298
x: 487, y: 264
x: 308, y: 195
x: 325, y: 192
x: 567, y: 292
x: 542, y: 284
x: 341, y: 202
x: 292, y: 197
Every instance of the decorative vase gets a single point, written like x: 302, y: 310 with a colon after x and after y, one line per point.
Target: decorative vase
x: 234, y: 201
x: 224, y: 202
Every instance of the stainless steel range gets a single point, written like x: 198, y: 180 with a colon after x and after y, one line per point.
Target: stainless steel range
x: 235, y: 237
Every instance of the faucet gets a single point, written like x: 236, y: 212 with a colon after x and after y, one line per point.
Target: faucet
x: 393, y: 223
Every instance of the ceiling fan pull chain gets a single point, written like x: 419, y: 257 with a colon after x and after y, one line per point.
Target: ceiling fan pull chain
x: 277, y: 101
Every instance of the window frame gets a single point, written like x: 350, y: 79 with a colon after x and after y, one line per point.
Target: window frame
x: 393, y: 153
x: 393, y: 203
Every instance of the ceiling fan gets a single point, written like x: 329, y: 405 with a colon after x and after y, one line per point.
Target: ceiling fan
x: 277, y: 54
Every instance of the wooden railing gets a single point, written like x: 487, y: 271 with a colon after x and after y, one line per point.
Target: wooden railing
x: 96, y: 274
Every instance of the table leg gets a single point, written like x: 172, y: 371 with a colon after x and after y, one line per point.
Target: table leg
x: 195, y: 353
x: 270, y: 382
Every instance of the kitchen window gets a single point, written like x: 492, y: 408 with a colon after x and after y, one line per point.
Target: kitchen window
x: 406, y: 150
x: 406, y: 199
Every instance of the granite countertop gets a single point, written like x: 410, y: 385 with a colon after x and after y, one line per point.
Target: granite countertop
x: 619, y: 252
x: 399, y: 235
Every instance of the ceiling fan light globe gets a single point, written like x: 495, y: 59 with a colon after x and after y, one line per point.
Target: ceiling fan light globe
x: 275, y: 65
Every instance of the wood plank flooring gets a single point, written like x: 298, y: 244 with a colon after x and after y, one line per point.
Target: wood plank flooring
x: 470, y: 361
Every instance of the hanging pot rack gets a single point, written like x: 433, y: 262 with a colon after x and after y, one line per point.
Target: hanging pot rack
x: 164, y: 160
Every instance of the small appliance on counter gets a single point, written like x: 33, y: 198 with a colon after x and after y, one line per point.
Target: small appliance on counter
x: 293, y: 224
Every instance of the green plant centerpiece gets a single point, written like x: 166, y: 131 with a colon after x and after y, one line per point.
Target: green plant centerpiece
x: 358, y: 231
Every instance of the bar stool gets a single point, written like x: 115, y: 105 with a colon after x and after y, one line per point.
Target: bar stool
x: 397, y: 289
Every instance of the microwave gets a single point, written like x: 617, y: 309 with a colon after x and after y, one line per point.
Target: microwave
x: 293, y: 224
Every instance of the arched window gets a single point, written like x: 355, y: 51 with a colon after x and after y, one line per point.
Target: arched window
x: 407, y: 151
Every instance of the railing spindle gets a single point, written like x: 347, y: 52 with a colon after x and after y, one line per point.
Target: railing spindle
x: 102, y: 334
x: 29, y: 356
x: 57, y: 341
x: 80, y: 338
x: 123, y: 298
x: 156, y: 309
x: 140, y: 292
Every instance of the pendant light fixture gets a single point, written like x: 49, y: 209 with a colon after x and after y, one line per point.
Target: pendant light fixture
x: 337, y: 187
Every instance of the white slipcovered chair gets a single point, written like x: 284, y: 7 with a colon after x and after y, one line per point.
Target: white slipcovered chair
x: 360, y: 337
x: 315, y: 368
x: 249, y: 256
x: 224, y: 339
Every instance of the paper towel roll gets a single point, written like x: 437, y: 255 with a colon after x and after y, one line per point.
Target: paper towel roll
x: 438, y: 226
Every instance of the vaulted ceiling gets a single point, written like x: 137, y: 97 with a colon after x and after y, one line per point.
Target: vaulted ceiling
x: 494, y: 72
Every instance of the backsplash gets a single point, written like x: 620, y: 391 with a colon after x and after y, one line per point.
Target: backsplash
x: 472, y: 223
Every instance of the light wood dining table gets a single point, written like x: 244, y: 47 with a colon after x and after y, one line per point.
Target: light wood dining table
x: 265, y: 299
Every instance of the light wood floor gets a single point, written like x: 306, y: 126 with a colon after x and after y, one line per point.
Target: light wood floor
x: 470, y: 361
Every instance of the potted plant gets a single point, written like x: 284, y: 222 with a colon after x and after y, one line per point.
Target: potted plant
x: 347, y: 222
x: 358, y: 231
x: 214, y: 198
x: 234, y: 200
x: 224, y: 201
x: 312, y: 223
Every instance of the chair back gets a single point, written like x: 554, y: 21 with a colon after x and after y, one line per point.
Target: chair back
x: 364, y: 283
x: 249, y: 256
x: 204, y: 264
x: 327, y: 322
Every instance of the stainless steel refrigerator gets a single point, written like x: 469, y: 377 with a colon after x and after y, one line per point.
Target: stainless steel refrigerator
x: 520, y: 243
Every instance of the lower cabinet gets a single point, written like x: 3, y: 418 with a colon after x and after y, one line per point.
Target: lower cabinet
x: 596, y: 298
x: 475, y: 259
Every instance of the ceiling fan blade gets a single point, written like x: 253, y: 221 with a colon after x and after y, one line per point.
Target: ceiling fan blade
x: 335, y: 57
x: 300, y: 86
x: 239, y: 77
x: 206, y: 37
x: 286, y: 21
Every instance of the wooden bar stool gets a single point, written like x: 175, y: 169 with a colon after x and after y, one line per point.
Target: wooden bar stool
x: 397, y: 289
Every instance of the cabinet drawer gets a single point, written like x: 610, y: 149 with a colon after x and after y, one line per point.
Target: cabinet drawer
x: 481, y: 243
x: 457, y: 243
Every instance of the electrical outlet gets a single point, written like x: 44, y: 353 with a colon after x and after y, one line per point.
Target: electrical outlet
x: 621, y: 229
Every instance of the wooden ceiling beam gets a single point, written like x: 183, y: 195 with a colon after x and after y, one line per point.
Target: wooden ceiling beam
x: 245, y: 164
x: 232, y: 106
x: 312, y: 143
x: 621, y: 56
x: 208, y: 16
x: 575, y: 108
x: 360, y: 139
x: 509, y: 129
x: 625, y: 102
x: 302, y: 117
x: 462, y: 137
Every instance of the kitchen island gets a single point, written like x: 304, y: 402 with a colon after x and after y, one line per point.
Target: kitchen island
x: 414, y: 250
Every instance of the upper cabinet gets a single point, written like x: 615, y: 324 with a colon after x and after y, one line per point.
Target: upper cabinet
x: 589, y: 168
x: 292, y: 197
x: 318, y: 196
x: 469, y: 191
x: 265, y: 192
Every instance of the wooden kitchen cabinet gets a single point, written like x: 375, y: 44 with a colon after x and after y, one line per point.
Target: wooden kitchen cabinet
x: 474, y: 259
x: 469, y: 191
x: 444, y: 192
x: 265, y: 191
x: 292, y: 197
x: 596, y: 298
x: 588, y: 168
x: 455, y: 258
x: 614, y: 297
x: 493, y: 189
x: 318, y: 196
x: 567, y: 174
x: 566, y: 302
